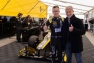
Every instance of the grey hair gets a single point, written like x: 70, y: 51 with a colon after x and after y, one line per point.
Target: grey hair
x: 69, y: 7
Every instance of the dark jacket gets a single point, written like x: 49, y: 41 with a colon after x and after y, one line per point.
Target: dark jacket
x: 74, y: 37
x: 25, y: 23
x: 19, y: 22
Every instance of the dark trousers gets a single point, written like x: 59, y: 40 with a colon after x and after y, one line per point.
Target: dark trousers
x: 18, y: 34
x: 86, y: 27
x: 69, y: 54
x: 56, y: 46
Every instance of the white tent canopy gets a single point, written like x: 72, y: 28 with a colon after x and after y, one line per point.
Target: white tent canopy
x: 80, y: 6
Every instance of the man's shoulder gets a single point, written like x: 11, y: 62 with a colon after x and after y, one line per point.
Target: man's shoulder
x: 51, y: 18
x: 78, y: 19
x: 63, y: 19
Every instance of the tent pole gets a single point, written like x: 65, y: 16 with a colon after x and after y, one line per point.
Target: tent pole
x: 6, y: 4
x: 34, y: 6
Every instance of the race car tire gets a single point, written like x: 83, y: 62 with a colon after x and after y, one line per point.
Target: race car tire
x: 33, y: 41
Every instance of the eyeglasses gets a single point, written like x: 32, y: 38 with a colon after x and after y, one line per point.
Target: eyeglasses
x: 55, y: 11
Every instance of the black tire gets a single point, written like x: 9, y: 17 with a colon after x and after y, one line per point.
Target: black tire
x: 33, y: 41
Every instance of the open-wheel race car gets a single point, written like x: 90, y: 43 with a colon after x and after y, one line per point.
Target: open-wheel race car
x: 39, y: 49
x: 27, y: 32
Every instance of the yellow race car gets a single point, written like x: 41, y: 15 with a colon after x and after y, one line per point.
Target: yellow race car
x: 39, y: 49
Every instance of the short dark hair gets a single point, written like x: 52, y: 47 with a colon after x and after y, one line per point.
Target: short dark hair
x: 19, y: 14
x: 56, y: 6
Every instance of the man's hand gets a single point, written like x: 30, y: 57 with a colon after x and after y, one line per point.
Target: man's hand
x: 45, y: 27
x: 71, y: 28
x: 28, y: 23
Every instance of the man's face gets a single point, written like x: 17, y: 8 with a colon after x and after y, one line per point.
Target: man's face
x: 20, y: 16
x: 69, y: 12
x: 56, y: 12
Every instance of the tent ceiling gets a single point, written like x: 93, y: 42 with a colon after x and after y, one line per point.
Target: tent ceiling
x: 35, y: 8
x: 80, y: 6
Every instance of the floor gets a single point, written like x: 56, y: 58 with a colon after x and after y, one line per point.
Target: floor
x: 9, y: 49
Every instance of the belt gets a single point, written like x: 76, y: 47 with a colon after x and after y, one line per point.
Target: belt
x: 56, y: 36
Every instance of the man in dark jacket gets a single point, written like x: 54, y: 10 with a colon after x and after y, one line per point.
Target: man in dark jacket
x: 27, y: 22
x: 73, y: 36
x: 19, y: 26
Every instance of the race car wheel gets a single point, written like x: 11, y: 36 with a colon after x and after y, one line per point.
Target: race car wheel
x: 33, y: 41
